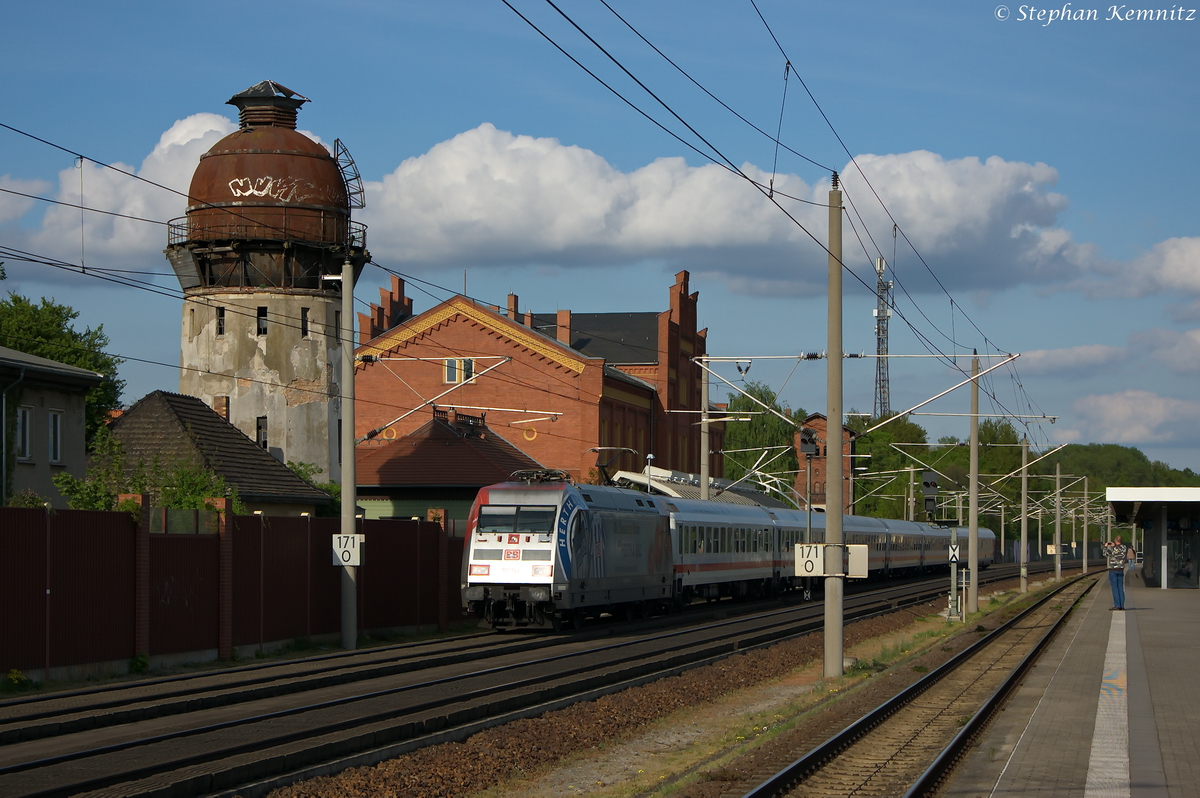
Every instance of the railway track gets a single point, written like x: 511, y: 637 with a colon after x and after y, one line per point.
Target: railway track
x: 274, y: 723
x: 908, y: 744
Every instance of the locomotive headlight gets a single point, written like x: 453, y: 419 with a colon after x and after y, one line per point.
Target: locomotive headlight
x: 480, y: 570
x: 543, y: 570
x: 539, y: 594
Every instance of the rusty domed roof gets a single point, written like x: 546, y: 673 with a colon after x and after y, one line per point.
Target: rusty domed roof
x: 271, y: 173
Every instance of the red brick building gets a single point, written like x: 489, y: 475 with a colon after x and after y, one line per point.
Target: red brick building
x: 554, y: 385
x: 819, y: 425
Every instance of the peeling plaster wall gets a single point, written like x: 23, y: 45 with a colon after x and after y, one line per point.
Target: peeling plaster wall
x: 284, y: 375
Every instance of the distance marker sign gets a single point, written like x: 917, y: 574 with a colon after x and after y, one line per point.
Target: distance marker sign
x: 810, y: 559
x: 347, y: 549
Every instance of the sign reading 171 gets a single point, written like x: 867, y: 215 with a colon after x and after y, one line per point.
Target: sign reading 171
x: 810, y: 559
x: 347, y: 549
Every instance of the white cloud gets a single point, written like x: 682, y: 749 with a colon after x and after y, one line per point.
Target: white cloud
x: 488, y: 197
x: 1171, y: 265
x: 13, y: 206
x: 1134, y: 417
x: 1075, y: 360
x: 978, y: 224
x: 115, y: 240
x: 1179, y: 351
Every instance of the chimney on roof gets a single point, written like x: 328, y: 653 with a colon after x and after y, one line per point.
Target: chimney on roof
x: 564, y: 327
x: 512, y: 309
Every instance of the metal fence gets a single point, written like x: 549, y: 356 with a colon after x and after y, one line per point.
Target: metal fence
x: 82, y: 587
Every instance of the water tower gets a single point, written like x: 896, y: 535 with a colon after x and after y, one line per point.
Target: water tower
x: 268, y: 224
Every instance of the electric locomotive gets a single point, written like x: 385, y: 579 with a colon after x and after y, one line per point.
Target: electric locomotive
x: 542, y: 551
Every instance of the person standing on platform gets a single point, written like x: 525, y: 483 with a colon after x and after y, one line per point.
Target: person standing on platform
x: 1115, y: 554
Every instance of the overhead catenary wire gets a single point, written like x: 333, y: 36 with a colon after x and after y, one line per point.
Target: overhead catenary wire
x: 768, y: 188
x: 726, y: 160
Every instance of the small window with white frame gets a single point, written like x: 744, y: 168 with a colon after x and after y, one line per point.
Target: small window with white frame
x: 54, y: 428
x: 459, y: 369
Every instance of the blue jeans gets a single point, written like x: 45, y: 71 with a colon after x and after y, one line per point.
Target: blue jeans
x: 1116, y: 580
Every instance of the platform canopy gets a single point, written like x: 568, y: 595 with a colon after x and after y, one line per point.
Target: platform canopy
x: 1139, y: 505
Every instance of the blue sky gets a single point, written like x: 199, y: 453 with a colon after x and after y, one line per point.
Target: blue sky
x: 1045, y: 173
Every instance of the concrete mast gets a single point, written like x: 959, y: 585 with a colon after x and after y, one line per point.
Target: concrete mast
x: 834, y: 461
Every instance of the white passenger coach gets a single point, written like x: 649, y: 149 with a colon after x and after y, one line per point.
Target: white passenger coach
x: 541, y: 550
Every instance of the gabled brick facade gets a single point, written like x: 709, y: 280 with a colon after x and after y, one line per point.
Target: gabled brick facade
x: 558, y: 385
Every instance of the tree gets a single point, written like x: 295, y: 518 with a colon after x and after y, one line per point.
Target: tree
x: 46, y: 330
x: 306, y: 472
x: 886, y: 501
x: 767, y: 434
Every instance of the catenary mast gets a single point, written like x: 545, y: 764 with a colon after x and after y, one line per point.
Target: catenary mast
x: 883, y: 310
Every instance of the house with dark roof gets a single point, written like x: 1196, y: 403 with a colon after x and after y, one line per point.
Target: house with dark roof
x: 558, y: 385
x: 42, y: 403
x: 170, y: 428
x: 441, y: 465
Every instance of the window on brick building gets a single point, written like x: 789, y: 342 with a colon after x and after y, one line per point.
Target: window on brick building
x: 458, y: 369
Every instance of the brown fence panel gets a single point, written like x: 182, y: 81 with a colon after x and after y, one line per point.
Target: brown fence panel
x: 285, y: 584
x: 324, y: 579
x: 286, y: 591
x: 429, y: 578
x: 91, y: 586
x: 184, y: 572
x: 452, y: 564
x: 401, y: 581
x: 247, y: 579
x: 388, y: 576
x: 22, y: 589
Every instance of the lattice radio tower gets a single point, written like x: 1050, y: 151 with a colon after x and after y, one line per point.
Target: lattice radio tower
x: 883, y: 310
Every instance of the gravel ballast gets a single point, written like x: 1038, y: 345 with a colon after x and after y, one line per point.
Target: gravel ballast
x: 687, y: 735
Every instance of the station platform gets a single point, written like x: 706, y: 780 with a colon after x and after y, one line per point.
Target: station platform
x: 1112, y: 709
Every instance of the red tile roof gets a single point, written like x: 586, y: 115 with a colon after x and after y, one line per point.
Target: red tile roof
x: 445, y: 452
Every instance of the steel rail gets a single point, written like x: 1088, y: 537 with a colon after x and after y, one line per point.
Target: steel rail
x: 789, y: 777
x: 299, y: 680
x: 945, y: 761
x: 709, y: 650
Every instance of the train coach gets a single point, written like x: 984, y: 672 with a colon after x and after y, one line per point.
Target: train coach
x: 543, y: 551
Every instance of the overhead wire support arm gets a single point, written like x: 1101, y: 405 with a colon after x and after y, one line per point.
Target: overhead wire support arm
x: 967, y: 381
x: 756, y: 400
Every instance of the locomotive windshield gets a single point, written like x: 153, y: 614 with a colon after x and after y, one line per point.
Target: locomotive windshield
x: 497, y: 519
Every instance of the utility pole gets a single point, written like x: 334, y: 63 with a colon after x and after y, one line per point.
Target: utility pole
x: 704, y: 442
x: 973, y: 497
x: 835, y: 464
x: 1057, y: 521
x: 349, y: 477
x: 912, y: 495
x: 1086, y: 500
x: 1024, y: 554
x: 1001, y: 531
